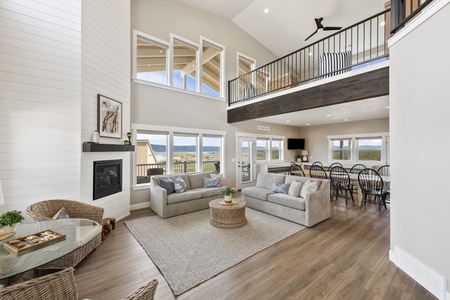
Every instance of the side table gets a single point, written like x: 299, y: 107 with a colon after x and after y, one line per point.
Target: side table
x: 227, y: 215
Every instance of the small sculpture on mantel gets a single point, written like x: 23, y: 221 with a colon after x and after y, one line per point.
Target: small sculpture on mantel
x: 129, y: 137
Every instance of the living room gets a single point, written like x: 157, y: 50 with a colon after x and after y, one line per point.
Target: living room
x: 57, y: 59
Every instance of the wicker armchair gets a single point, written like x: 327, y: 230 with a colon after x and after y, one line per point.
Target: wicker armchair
x: 60, y: 285
x: 147, y: 292
x: 45, y: 210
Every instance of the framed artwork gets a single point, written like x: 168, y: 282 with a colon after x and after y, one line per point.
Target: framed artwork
x: 109, y: 117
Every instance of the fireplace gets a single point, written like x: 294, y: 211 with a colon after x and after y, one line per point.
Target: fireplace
x: 107, y: 178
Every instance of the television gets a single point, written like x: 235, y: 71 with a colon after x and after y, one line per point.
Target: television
x: 296, y: 144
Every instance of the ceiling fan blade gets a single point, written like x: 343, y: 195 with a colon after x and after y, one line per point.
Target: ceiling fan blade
x: 332, y: 28
x: 311, y: 35
x: 319, y: 22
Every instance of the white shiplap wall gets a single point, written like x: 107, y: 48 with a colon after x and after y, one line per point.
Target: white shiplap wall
x: 55, y: 57
x: 40, y: 107
x: 105, y: 59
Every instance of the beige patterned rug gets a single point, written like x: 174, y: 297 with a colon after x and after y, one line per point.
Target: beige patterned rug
x: 188, y: 250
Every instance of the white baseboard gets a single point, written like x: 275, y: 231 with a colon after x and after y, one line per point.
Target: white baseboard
x: 139, y: 206
x: 426, y: 277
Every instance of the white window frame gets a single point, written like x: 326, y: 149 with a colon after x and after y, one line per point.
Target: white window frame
x: 156, y: 41
x: 171, y: 131
x: 222, y: 50
x: 188, y: 44
x: 354, y: 149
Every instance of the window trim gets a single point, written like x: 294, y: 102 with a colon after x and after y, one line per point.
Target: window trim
x: 171, y: 131
x: 354, y: 147
x: 221, y: 48
x: 268, y: 137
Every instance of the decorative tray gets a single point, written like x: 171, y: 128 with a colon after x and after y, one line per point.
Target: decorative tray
x: 222, y: 202
x: 34, y: 241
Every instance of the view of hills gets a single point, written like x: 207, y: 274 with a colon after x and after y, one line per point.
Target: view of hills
x: 162, y: 148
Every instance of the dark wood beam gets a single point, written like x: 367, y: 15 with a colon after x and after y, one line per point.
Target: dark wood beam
x: 363, y: 86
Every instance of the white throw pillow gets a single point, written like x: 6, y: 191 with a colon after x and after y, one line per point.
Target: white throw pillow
x: 295, y: 188
x: 308, y: 188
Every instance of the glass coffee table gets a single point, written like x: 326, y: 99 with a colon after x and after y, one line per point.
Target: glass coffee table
x: 78, y: 233
x: 224, y: 215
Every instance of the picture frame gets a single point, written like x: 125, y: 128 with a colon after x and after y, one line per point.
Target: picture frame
x: 109, y: 117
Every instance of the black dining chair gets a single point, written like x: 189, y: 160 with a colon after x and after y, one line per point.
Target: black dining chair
x: 317, y: 163
x: 357, y: 168
x: 296, y: 170
x: 340, y: 181
x: 371, y: 183
x: 317, y: 171
x: 336, y: 164
x: 386, y: 171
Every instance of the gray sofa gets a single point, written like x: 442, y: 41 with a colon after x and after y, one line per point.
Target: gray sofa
x: 196, y: 197
x: 308, y: 212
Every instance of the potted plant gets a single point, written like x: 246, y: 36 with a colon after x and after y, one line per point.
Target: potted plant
x: 298, y: 158
x: 227, y: 192
x: 10, y: 219
x: 126, y: 142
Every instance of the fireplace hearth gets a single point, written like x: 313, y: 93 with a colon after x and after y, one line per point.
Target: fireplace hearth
x: 107, y: 178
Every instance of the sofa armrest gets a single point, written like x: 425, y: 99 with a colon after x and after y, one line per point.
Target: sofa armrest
x: 318, y: 205
x: 158, y: 198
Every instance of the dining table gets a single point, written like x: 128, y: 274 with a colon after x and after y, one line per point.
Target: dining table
x: 77, y: 233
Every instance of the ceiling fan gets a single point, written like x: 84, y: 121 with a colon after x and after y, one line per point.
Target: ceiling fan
x: 320, y: 26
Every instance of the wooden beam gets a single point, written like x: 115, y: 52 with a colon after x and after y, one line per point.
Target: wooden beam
x: 207, y: 55
x: 363, y: 86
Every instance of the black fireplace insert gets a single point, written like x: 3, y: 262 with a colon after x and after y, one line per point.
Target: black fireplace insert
x: 107, y: 178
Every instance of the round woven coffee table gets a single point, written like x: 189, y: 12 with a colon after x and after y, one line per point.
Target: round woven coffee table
x: 227, y: 215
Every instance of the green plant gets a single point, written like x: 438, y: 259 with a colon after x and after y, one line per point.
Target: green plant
x: 126, y: 142
x: 298, y: 157
x: 10, y: 218
x: 227, y: 191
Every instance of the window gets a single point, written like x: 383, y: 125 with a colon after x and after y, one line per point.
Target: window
x: 151, y: 59
x: 181, y: 63
x: 269, y: 149
x: 151, y: 153
x: 175, y: 150
x: 369, y: 149
x: 341, y: 149
x: 362, y: 148
x: 213, y: 68
x: 276, y: 147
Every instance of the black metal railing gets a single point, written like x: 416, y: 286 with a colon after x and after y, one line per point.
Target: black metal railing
x: 362, y: 43
x: 402, y: 11
x: 178, y: 167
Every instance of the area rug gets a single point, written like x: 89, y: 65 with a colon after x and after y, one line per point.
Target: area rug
x: 188, y: 250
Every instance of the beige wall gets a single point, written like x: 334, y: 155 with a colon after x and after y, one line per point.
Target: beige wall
x: 316, y: 136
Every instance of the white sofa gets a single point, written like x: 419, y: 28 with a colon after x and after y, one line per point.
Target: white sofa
x: 196, y: 197
x: 308, y: 211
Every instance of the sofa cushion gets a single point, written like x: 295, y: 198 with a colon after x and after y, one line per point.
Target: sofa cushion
x: 308, y: 188
x: 282, y: 188
x: 179, y: 184
x: 211, y: 182
x: 186, y: 196
x: 196, y: 179
x: 184, y: 176
x: 167, y: 184
x: 256, y: 192
x: 209, y: 192
x: 287, y: 200
x: 214, y: 175
x: 290, y: 178
x: 295, y: 188
x: 266, y: 180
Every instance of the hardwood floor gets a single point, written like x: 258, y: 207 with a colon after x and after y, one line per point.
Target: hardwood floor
x: 344, y: 257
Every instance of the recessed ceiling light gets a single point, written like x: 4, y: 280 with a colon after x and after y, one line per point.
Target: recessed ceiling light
x: 346, y: 120
x: 287, y: 121
x: 388, y: 106
x: 382, y: 24
x: 310, y: 53
x: 266, y: 10
x: 328, y: 115
x: 307, y: 124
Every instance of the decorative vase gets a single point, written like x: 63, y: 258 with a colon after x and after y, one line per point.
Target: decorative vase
x: 9, y: 229
x: 227, y: 198
x: 129, y: 137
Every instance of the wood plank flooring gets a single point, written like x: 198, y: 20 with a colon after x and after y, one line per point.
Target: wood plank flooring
x: 344, y: 257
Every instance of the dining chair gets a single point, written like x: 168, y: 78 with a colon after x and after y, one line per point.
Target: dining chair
x: 59, y: 285
x: 296, y: 170
x: 385, y: 170
x: 334, y: 165
x: 357, y: 168
x: 371, y: 183
x: 340, y: 181
x: 317, y: 163
x: 317, y: 171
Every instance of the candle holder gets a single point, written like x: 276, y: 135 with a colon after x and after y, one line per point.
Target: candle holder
x: 129, y: 137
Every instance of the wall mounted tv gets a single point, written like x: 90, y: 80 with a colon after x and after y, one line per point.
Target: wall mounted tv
x: 296, y: 144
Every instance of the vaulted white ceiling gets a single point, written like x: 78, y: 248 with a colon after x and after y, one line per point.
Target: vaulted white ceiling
x: 284, y: 29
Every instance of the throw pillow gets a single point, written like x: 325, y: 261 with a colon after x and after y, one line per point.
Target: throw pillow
x: 308, y: 188
x: 220, y: 175
x: 282, y: 188
x: 208, y: 182
x: 295, y: 188
x: 61, y: 214
x: 167, y: 184
x: 179, y: 184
